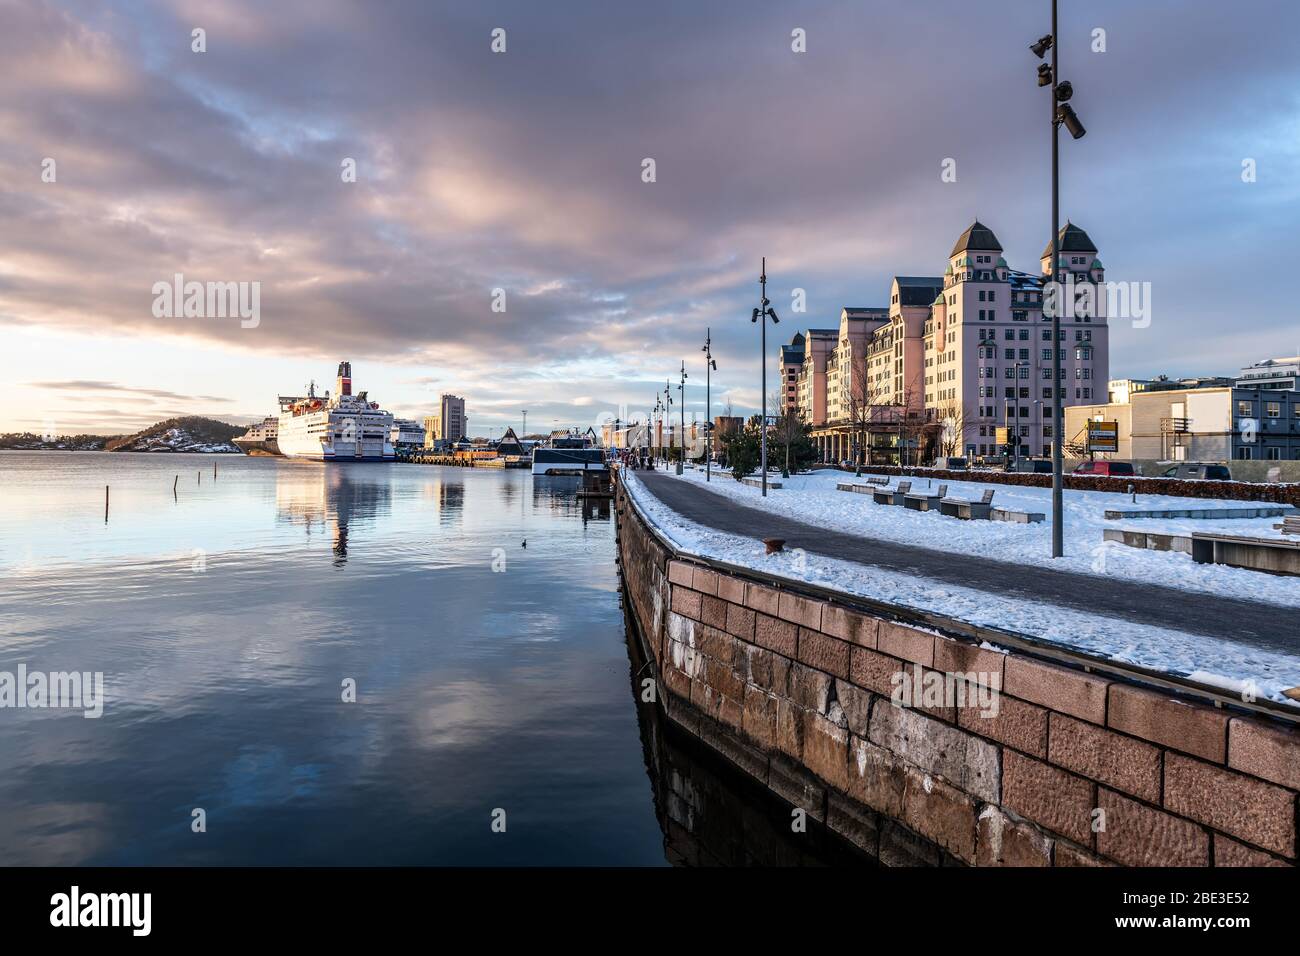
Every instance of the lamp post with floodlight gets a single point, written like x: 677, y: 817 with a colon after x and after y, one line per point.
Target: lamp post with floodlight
x: 1062, y: 115
x: 764, y: 312
x: 709, y: 366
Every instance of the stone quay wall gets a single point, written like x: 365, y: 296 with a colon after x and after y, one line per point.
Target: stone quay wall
x: 1051, y: 766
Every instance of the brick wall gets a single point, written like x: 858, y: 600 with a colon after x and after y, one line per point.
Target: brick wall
x: 1066, y: 769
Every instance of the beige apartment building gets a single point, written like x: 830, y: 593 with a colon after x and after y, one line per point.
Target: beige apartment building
x: 955, y: 357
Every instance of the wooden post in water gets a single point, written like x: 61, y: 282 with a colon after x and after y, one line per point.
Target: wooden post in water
x: 214, y: 471
x: 106, y: 504
x: 200, y: 476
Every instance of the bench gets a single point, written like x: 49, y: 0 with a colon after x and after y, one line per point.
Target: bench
x: 1274, y: 555
x: 968, y: 510
x: 1017, y: 517
x: 883, y: 496
x: 925, y: 502
x: 862, y: 489
x: 1290, y: 525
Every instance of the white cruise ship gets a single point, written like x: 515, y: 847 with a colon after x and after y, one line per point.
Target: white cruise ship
x: 346, y: 427
x: 260, y: 438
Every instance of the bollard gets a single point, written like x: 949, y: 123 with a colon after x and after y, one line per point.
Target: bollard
x: 1133, y: 491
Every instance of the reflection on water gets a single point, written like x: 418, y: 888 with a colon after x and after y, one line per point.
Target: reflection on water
x: 225, y: 618
x: 327, y: 500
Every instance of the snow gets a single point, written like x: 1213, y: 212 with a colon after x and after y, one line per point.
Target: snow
x: 1217, y: 661
x: 813, y: 499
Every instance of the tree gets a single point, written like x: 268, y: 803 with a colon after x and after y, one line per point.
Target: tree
x: 792, y: 439
x: 952, y: 420
x: 743, y: 453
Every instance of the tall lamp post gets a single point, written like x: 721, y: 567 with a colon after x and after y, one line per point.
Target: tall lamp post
x: 668, y: 416
x: 764, y: 312
x: 1062, y: 115
x: 681, y: 404
x: 656, y: 440
x: 709, y: 366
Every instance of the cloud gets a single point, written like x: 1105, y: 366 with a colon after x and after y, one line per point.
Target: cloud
x: 521, y: 172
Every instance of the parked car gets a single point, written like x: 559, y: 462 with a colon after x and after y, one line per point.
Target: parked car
x: 1034, y: 466
x: 952, y: 463
x: 1107, y: 469
x: 1198, y: 469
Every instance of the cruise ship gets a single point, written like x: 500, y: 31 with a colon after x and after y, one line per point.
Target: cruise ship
x: 345, y: 427
x: 260, y: 439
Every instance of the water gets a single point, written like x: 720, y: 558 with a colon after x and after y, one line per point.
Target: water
x: 226, y: 616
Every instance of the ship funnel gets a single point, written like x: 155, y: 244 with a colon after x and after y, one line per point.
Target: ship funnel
x: 344, y: 384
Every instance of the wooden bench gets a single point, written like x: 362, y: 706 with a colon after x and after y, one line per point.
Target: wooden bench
x: 925, y: 501
x: 1290, y: 525
x: 968, y: 510
x: 883, y: 496
x: 1274, y: 555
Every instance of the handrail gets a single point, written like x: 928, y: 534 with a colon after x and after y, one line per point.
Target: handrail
x: 954, y: 627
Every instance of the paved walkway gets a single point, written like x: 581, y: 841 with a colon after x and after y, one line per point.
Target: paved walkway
x: 1260, y: 625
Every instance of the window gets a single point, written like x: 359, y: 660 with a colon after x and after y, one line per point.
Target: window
x: 993, y: 293
x: 1009, y: 393
x: 1047, y: 431
x: 981, y: 299
x: 1024, y: 355
x: 1047, y: 393
x: 1024, y: 335
x: 1047, y: 337
x: 1009, y: 373
x: 1010, y: 335
x: 1274, y: 410
x: 1273, y: 454
x: 1009, y: 353
x: 1047, y: 355
x: 1244, y: 454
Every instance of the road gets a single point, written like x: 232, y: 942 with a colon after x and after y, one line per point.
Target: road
x: 1266, y: 626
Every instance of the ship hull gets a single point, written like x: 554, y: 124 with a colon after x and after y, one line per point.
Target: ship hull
x: 258, y: 447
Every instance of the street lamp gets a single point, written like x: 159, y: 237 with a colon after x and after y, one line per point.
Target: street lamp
x: 656, y: 420
x: 1062, y: 114
x: 764, y: 312
x: 709, y: 366
x: 681, y: 404
x: 668, y: 416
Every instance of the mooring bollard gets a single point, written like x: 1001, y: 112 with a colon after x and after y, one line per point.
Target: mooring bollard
x: 1133, y: 491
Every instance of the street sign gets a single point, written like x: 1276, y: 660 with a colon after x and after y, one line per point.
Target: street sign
x: 1103, y: 436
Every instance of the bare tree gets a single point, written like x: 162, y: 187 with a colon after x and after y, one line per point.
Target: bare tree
x: 952, y: 422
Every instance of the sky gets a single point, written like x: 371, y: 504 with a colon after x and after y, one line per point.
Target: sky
x: 523, y: 171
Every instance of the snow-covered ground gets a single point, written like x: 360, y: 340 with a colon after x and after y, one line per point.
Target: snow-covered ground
x: 813, y: 499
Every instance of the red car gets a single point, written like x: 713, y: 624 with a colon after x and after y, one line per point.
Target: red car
x: 1107, y: 469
